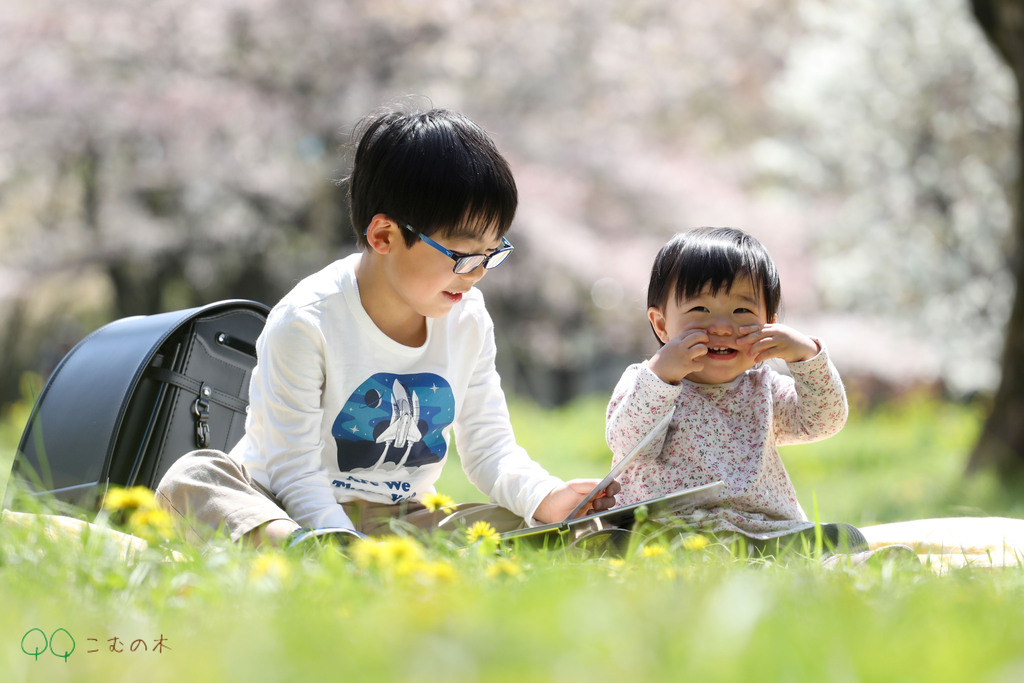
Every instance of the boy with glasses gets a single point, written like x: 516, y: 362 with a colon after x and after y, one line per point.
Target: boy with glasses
x: 367, y: 367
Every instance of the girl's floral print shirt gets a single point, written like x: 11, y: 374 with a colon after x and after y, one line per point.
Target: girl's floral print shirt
x: 726, y: 432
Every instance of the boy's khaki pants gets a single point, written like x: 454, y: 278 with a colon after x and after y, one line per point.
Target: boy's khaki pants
x: 210, y: 493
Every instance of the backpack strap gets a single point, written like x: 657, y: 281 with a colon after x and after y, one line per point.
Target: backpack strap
x: 198, y: 388
x: 201, y: 406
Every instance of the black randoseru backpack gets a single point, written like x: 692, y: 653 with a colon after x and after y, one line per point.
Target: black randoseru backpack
x: 133, y: 397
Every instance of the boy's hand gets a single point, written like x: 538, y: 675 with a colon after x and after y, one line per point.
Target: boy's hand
x: 680, y: 356
x: 563, y: 499
x: 762, y: 342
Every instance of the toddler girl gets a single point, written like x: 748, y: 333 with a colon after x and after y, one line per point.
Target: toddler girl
x: 713, y: 304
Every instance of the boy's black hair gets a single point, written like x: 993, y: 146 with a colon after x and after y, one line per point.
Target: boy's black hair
x: 714, y: 258
x: 434, y: 170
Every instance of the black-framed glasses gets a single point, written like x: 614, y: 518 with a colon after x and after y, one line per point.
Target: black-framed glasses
x: 467, y: 263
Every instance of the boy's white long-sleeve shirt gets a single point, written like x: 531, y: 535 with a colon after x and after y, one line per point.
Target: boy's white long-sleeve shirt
x: 339, y: 411
x: 726, y: 432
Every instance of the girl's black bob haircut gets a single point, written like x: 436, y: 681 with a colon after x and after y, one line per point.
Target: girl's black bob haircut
x: 712, y: 258
x: 433, y: 170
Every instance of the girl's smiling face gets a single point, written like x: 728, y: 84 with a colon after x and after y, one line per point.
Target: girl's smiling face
x: 720, y: 315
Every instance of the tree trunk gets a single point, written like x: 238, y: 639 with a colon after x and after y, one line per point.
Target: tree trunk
x: 1001, y: 443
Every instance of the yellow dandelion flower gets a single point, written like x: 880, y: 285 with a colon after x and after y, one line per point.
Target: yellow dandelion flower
x: 367, y: 553
x: 695, y: 542
x: 503, y: 568
x: 133, y: 498
x: 151, y: 524
x: 434, y: 572
x: 270, y: 565
x: 439, y: 501
x: 616, y: 567
x: 481, y: 531
x: 653, y: 551
x: 401, y: 549
x: 389, y: 553
x: 116, y: 499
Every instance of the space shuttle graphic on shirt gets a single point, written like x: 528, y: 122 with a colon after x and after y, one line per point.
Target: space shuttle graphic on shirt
x: 405, y: 416
x: 393, y: 421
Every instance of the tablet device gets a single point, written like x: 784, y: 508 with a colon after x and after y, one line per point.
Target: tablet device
x: 673, y: 503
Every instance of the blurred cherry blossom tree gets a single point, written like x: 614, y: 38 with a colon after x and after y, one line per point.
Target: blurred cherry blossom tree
x: 899, y: 117
x: 163, y: 155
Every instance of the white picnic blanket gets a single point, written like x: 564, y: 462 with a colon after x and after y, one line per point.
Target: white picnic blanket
x: 952, y: 542
x: 61, y: 528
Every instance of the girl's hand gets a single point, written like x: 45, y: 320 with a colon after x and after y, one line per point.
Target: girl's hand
x: 680, y: 356
x: 762, y: 342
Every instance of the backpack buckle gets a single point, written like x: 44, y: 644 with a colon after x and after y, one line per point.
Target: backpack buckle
x: 201, y: 410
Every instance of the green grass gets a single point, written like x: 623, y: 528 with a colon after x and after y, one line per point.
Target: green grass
x: 898, y: 462
x: 232, y: 614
